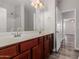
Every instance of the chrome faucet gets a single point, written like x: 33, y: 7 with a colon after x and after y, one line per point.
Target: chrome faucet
x: 40, y: 32
x: 18, y: 34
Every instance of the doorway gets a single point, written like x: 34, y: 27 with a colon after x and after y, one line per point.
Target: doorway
x: 69, y: 27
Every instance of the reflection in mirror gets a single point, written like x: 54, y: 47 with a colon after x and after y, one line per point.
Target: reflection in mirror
x: 20, y: 14
x: 3, y: 19
x: 16, y: 14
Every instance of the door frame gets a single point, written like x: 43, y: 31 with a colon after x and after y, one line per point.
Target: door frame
x: 75, y: 24
x: 57, y: 47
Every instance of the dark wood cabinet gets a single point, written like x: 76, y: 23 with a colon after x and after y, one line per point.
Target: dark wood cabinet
x: 5, y: 57
x: 46, y: 47
x: 36, y: 48
x: 28, y: 44
x: 36, y: 52
x: 8, y: 52
x: 41, y: 47
x: 52, y: 38
x: 50, y: 43
x: 25, y: 55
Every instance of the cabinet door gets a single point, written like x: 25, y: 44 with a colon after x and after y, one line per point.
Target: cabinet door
x: 46, y: 48
x: 28, y: 44
x: 25, y: 55
x: 41, y: 47
x: 52, y: 38
x: 36, y: 53
x: 50, y: 43
x: 9, y: 51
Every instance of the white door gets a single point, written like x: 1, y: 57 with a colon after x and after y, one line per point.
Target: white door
x: 58, y: 29
x: 3, y: 20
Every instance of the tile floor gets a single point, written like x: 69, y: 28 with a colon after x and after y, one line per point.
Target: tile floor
x: 67, y: 50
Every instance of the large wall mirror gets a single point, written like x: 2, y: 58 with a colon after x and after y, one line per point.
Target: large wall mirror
x: 16, y: 15
x: 21, y: 15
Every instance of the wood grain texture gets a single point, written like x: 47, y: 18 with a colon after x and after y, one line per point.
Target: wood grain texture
x: 25, y: 55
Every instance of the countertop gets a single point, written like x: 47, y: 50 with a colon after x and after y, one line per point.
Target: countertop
x: 9, y: 40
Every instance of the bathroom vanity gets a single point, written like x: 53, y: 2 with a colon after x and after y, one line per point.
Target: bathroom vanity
x: 32, y: 47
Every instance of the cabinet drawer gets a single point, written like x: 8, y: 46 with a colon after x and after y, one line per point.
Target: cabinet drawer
x: 9, y: 51
x: 25, y: 55
x: 28, y: 44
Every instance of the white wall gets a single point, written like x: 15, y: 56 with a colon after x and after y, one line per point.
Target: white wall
x: 69, y: 27
x: 50, y: 24
x: 47, y: 17
x: 68, y: 4
x: 77, y: 25
x: 58, y: 28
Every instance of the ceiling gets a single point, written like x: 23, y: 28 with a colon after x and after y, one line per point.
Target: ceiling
x: 58, y: 2
x: 14, y: 2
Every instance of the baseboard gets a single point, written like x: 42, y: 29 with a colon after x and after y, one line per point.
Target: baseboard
x: 53, y: 50
x: 77, y: 49
x: 78, y: 57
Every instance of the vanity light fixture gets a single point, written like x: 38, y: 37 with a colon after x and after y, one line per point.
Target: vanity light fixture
x: 37, y: 4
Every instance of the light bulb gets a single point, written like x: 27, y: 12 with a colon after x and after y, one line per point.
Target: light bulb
x: 37, y: 4
x: 41, y: 5
x: 32, y: 4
